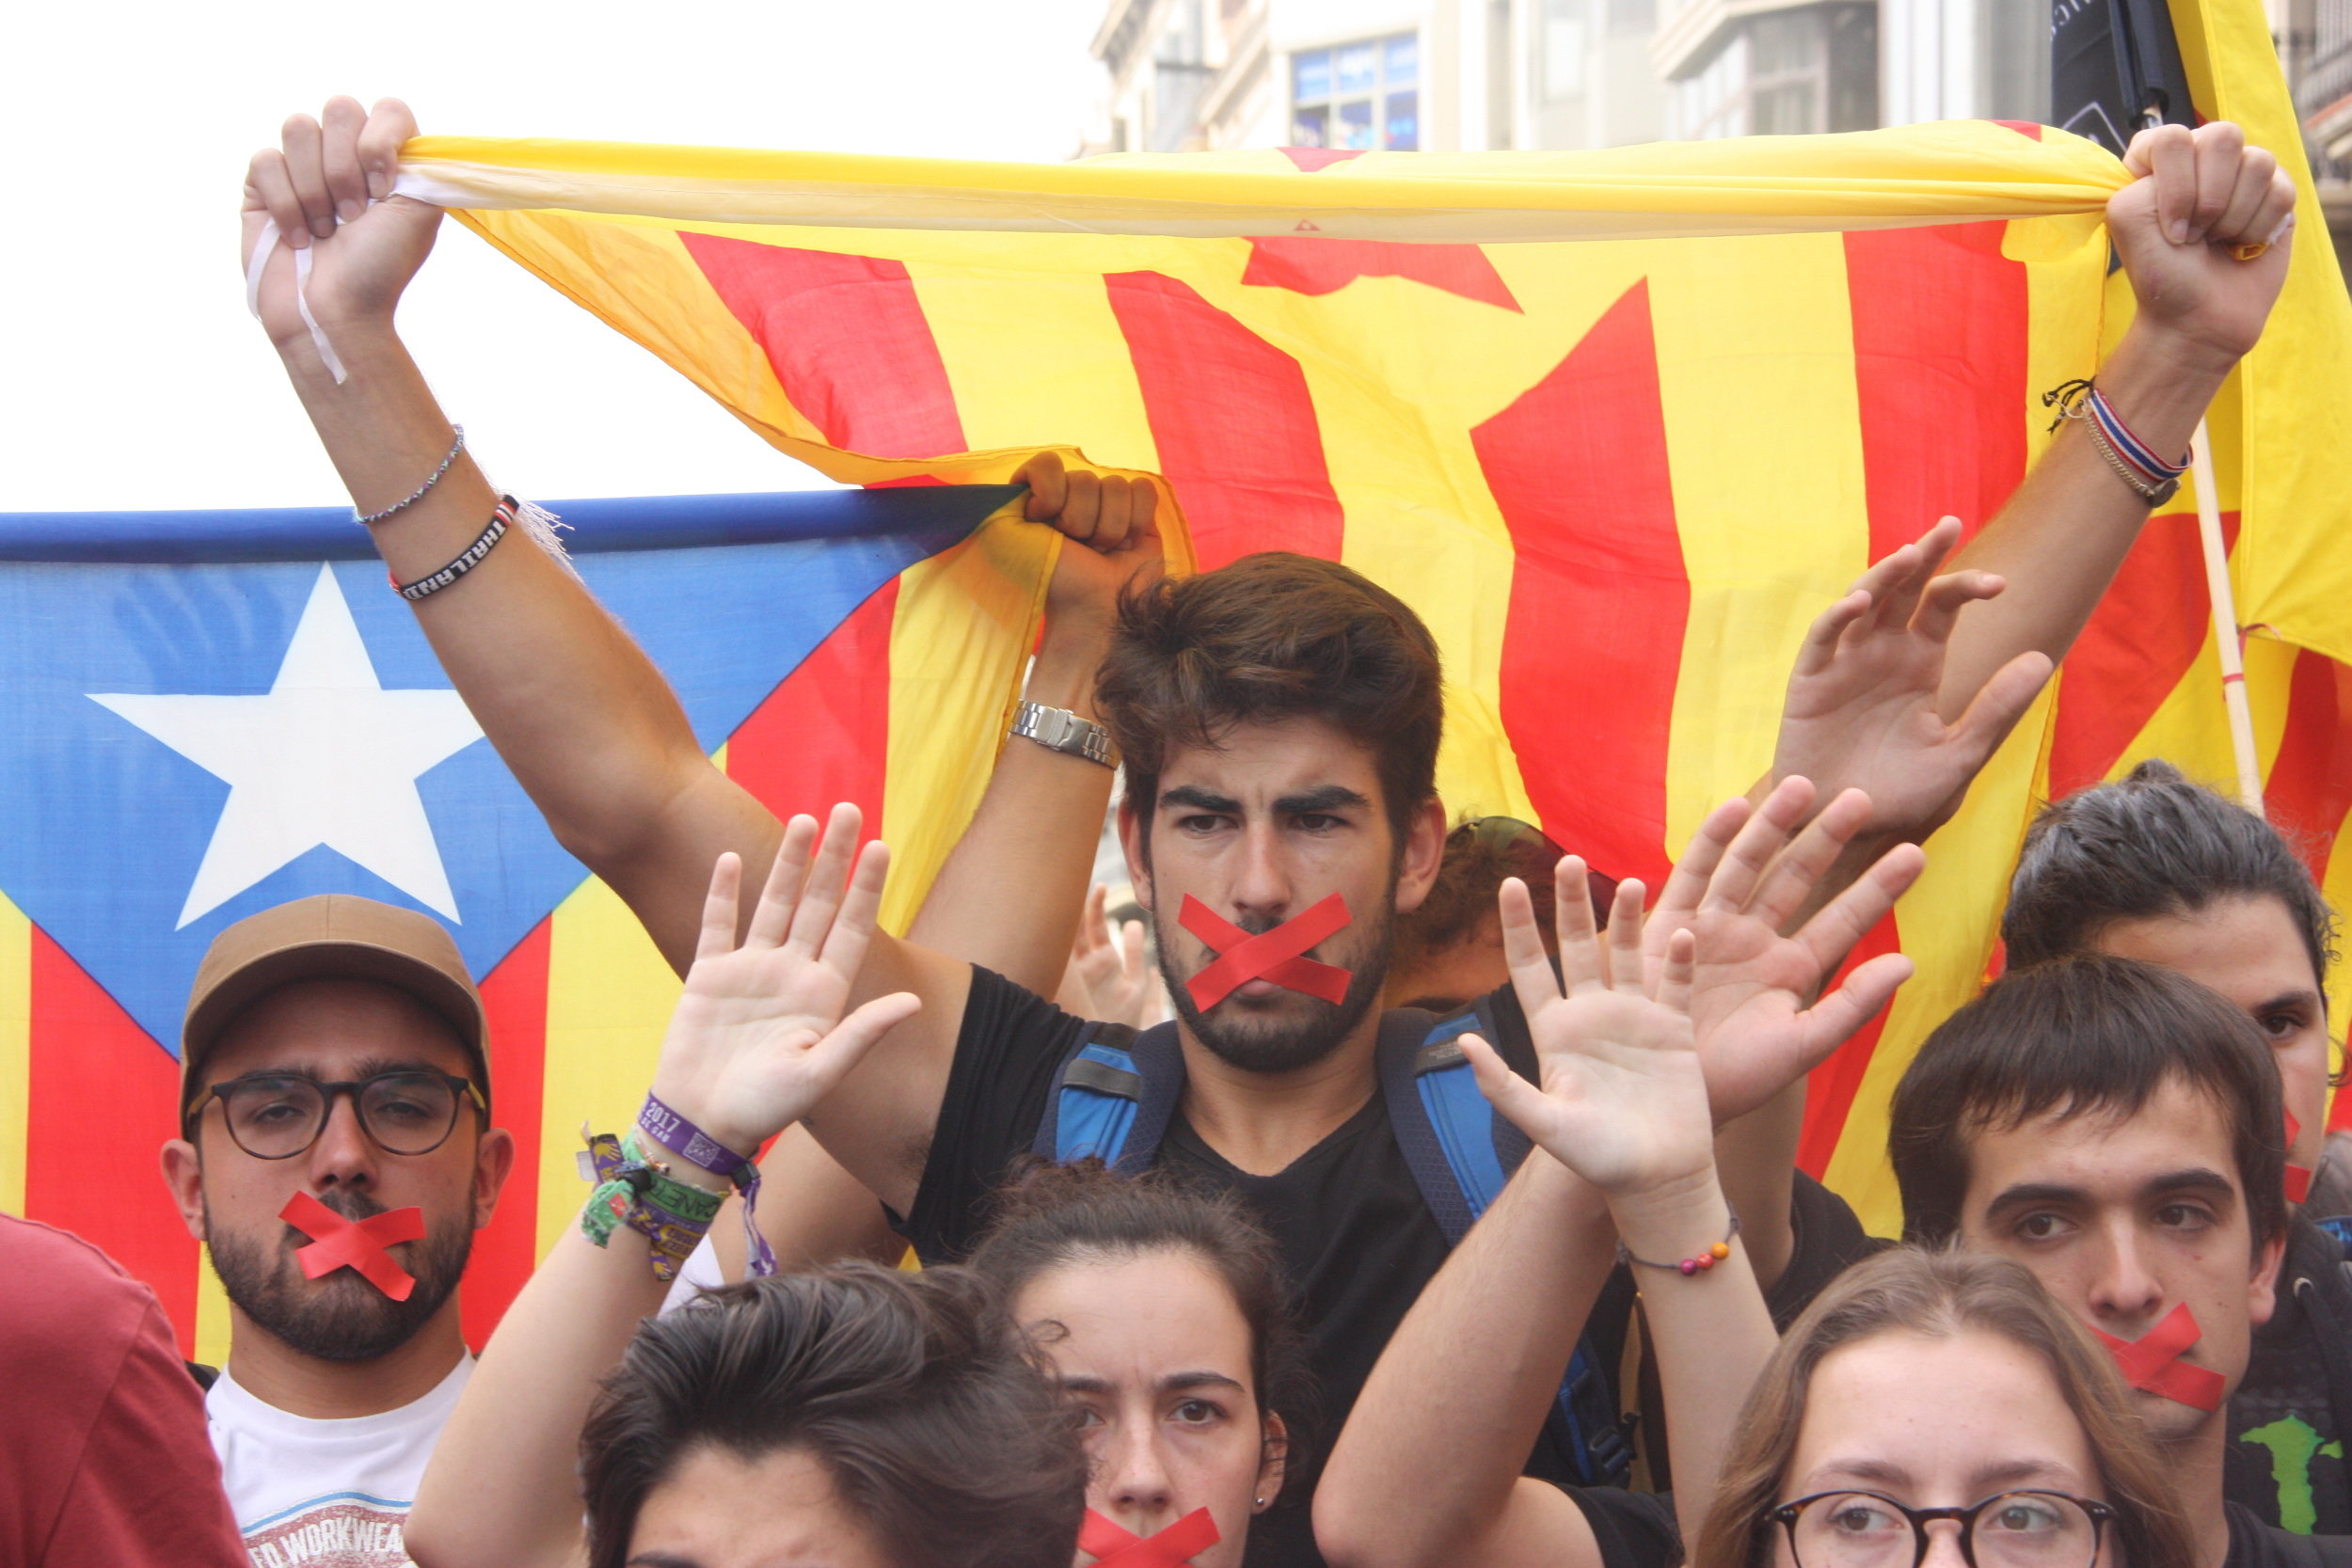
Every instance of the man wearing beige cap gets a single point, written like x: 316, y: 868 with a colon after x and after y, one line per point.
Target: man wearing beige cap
x: 337, y: 1157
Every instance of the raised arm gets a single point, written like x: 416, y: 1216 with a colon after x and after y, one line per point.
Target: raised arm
x: 1904, y: 687
x: 574, y: 708
x: 2065, y: 532
x: 760, y: 1037
x: 1428, y: 1470
x: 1009, y: 897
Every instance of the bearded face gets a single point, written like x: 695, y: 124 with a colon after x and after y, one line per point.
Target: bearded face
x: 339, y: 1316
x: 1261, y: 1027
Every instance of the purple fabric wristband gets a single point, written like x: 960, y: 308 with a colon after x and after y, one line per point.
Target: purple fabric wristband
x: 698, y: 1147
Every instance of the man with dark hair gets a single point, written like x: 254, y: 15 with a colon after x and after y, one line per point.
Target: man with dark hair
x: 337, y: 1158
x: 2158, y: 868
x: 1286, y: 714
x: 2118, y: 1129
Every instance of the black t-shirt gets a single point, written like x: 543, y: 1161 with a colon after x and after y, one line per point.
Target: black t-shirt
x: 1355, y: 1240
x: 2256, y: 1544
x: 2286, y: 1462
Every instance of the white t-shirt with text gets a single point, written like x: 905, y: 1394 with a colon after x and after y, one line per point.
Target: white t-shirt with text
x: 325, y: 1494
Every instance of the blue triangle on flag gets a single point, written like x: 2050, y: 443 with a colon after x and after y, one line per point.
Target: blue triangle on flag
x: 205, y: 714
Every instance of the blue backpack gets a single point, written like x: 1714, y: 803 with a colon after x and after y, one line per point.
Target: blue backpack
x: 1115, y: 1093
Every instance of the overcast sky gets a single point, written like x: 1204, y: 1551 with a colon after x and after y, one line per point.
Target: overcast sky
x: 131, y: 375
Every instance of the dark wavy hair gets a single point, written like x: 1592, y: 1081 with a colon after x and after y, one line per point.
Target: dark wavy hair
x: 2152, y: 844
x: 914, y: 1391
x: 2084, y: 1033
x: 1048, y: 1216
x: 1266, y: 638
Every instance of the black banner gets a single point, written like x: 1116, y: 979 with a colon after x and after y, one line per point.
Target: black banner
x: 2112, y: 64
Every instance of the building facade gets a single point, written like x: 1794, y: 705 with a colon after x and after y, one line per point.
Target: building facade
x: 1481, y: 75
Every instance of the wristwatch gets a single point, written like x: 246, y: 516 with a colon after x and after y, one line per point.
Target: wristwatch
x: 1057, y: 729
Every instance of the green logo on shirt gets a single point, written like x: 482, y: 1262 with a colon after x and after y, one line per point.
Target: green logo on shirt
x: 2292, y: 1445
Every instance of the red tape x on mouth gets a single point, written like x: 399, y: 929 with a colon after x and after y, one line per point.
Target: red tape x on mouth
x: 337, y: 1243
x: 2153, y: 1362
x: 1113, y: 1546
x: 1276, y: 955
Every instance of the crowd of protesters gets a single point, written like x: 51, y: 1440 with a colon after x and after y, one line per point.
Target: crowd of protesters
x: 1416, y: 1196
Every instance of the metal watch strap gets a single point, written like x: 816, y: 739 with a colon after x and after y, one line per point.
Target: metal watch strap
x: 1057, y: 729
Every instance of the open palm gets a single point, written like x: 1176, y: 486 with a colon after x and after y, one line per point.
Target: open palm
x: 1622, y: 1101
x: 1863, y: 708
x: 758, y: 1036
x: 1744, y: 878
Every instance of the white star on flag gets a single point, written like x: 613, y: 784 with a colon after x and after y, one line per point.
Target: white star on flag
x: 328, y: 757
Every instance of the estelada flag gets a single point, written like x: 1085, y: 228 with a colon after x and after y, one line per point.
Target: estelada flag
x: 1617, y: 424
x: 210, y: 713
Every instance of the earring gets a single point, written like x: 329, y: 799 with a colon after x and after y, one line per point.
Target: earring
x: 1260, y: 1502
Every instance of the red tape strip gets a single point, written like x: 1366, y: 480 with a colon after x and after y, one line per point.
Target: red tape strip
x: 2153, y: 1362
x: 1274, y: 955
x: 337, y: 1243
x: 1115, y: 1547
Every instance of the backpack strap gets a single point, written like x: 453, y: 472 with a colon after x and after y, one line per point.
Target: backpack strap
x: 1113, y: 1097
x: 1461, y: 1154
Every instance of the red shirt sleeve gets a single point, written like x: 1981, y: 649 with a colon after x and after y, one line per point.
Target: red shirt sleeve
x: 104, y: 1459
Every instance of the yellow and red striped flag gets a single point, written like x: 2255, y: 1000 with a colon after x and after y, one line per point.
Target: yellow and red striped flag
x: 1617, y: 425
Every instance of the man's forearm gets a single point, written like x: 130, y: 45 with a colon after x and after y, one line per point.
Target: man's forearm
x: 2065, y: 532
x: 1428, y: 1470
x: 1009, y: 896
x: 574, y: 708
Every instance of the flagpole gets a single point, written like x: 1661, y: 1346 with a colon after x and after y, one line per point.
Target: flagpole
x: 2225, y: 628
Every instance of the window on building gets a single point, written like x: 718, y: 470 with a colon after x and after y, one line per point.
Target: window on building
x: 1564, y: 42
x: 1364, y: 95
x: 1791, y: 72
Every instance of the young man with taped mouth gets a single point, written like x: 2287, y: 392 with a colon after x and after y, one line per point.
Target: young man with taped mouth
x: 2118, y: 1129
x: 337, y: 1158
x: 1298, y: 787
x: 2156, y: 867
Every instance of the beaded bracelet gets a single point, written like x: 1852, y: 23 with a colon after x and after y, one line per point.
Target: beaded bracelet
x: 1698, y: 1264
x: 368, y: 519
x: 639, y: 1192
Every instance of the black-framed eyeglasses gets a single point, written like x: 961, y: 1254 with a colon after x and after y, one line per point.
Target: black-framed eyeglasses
x: 2010, y: 1529
x: 276, y: 1116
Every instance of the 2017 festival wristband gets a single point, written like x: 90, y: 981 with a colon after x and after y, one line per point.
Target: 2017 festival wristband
x: 639, y: 1192
x: 697, y: 1148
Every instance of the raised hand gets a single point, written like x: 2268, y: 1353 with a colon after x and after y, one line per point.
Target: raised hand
x: 2200, y: 195
x: 1742, y: 881
x: 328, y: 186
x: 1622, y: 1101
x: 758, y: 1038
x: 1861, y: 711
x: 1110, y: 975
x: 1113, y: 517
